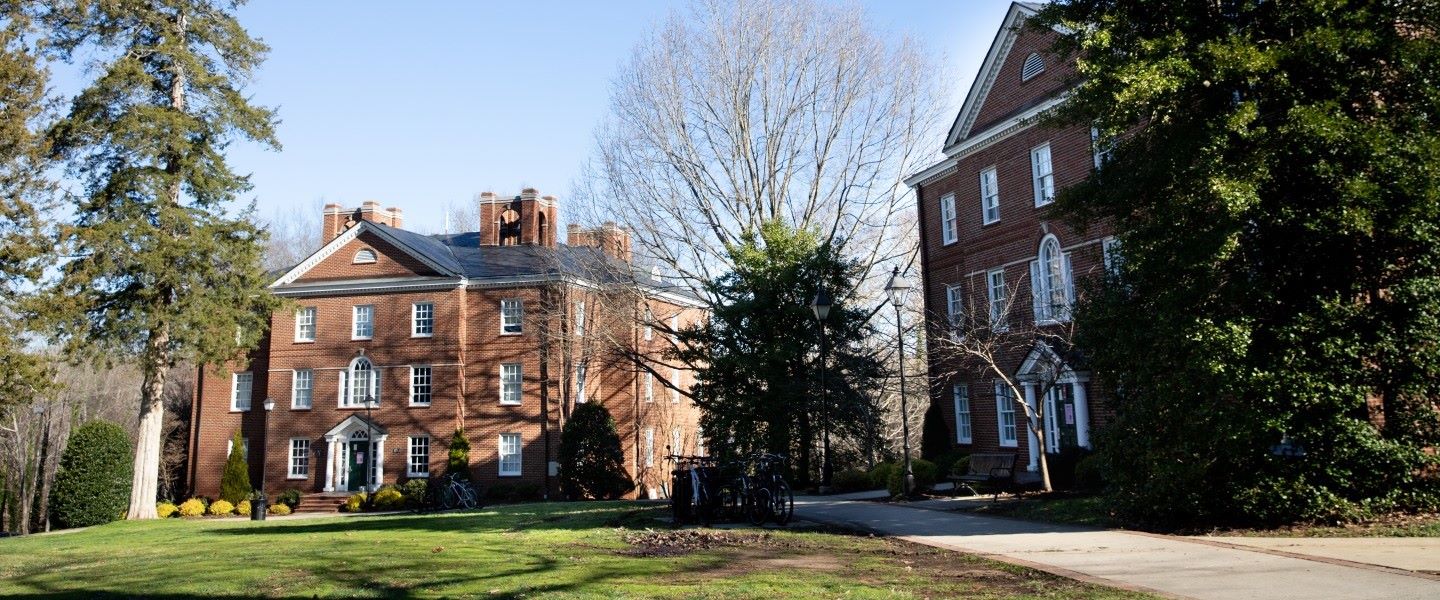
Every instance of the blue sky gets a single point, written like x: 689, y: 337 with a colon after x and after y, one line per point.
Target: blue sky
x: 418, y: 105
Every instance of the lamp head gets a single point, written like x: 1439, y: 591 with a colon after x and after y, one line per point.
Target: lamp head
x: 269, y: 404
x: 821, y: 304
x: 897, y: 288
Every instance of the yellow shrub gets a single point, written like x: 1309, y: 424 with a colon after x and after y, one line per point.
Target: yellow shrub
x: 191, y: 508
x: 243, y: 508
x: 221, y: 508
x: 389, y: 499
x: 355, y: 503
x: 165, y: 510
x: 279, y: 509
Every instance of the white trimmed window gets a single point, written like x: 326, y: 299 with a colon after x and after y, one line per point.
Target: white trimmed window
x: 1100, y: 148
x: 961, y: 396
x: 244, y: 447
x: 954, y: 304
x: 649, y: 386
x: 299, y: 458
x: 305, y: 324
x: 302, y: 389
x: 418, y: 464
x: 649, y: 446
x: 675, y: 385
x: 996, y: 280
x: 675, y: 330
x: 1042, y: 174
x: 359, y: 382
x: 989, y: 196
x: 1110, y: 247
x: 422, y: 319
x: 420, y: 385
x: 363, y: 322
x: 510, y: 383
x: 676, y: 444
x: 649, y: 328
x: 509, y: 454
x: 579, y: 319
x: 580, y: 383
x: 364, y: 256
x: 948, y: 231
x: 1005, y: 415
x: 1051, y: 286
x: 699, y: 441
x: 512, y: 315
x: 240, y: 387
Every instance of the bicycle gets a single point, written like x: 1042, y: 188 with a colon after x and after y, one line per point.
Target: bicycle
x: 694, y: 494
x: 773, y: 496
x: 457, y: 492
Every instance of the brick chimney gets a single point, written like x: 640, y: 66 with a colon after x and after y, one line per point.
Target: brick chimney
x: 610, y: 238
x: 338, y: 220
x: 525, y: 219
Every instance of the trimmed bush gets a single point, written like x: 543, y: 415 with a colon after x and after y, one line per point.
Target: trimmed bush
x: 458, y: 462
x: 221, y: 508
x: 290, y: 497
x: 851, y: 480
x: 592, y: 465
x: 279, y: 509
x: 513, y: 492
x: 925, y: 474
x: 935, y: 439
x: 880, y: 475
x: 192, y: 508
x: 414, y: 491
x: 389, y: 498
x: 92, y: 485
x: 945, y: 463
x: 243, y: 508
x: 165, y: 510
x: 235, y: 479
x: 355, y: 503
x: 1088, y: 474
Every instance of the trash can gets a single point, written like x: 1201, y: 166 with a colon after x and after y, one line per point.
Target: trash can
x: 258, y: 507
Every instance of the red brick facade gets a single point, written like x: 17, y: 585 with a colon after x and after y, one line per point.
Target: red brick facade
x: 464, y: 350
x: 997, y: 130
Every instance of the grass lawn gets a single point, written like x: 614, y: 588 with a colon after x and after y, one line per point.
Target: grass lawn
x: 550, y: 550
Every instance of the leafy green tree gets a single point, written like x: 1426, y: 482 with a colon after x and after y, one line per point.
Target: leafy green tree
x: 1273, y: 183
x: 159, y: 269
x: 92, y: 486
x: 458, y: 462
x: 758, y: 380
x: 592, y: 465
x: 235, y: 478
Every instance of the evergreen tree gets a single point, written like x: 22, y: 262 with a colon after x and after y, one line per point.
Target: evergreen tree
x: 92, y: 485
x: 458, y: 462
x: 592, y: 465
x: 759, y: 379
x: 935, y: 438
x: 235, y: 479
x: 159, y: 270
x: 1273, y: 184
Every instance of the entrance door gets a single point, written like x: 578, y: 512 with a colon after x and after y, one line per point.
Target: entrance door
x: 1060, y: 428
x: 359, y: 463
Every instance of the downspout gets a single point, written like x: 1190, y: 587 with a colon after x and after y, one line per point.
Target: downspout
x: 545, y: 393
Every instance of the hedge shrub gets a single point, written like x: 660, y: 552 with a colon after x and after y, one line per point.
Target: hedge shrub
x: 592, y: 465
x: 355, y: 503
x: 280, y: 509
x: 235, y: 479
x: 92, y: 485
x: 880, y: 475
x: 414, y: 491
x: 513, y: 492
x: 290, y: 497
x: 389, y: 498
x: 165, y: 510
x: 851, y: 480
x: 242, y: 508
x: 925, y: 475
x: 221, y: 508
x: 192, y: 508
x: 458, y: 461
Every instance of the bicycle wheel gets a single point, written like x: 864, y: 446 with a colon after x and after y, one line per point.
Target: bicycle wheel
x: 760, y: 506
x: 784, y: 501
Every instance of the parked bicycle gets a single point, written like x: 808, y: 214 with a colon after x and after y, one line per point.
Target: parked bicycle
x: 695, y: 493
x: 771, y: 495
x: 449, y: 492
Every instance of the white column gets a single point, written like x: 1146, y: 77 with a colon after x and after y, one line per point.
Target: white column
x: 330, y: 464
x: 1029, y: 431
x: 379, y: 462
x: 1082, y: 413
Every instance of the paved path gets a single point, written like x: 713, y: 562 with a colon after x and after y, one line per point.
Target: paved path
x: 1172, y: 566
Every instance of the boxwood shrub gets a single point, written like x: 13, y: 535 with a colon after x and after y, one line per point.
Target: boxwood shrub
x: 92, y: 485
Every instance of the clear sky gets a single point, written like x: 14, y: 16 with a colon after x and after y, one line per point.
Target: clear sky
x: 418, y: 105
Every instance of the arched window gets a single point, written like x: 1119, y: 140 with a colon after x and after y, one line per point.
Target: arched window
x: 365, y: 255
x: 544, y: 228
x: 359, y: 382
x: 1050, y: 282
x: 1034, y: 65
x: 509, y: 227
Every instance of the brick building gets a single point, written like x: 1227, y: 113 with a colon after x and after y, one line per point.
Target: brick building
x: 987, y: 242
x: 497, y: 332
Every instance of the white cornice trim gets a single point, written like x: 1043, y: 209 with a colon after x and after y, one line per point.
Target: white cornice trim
x: 989, y: 72
x: 932, y: 172
x: 984, y: 140
x: 366, y: 286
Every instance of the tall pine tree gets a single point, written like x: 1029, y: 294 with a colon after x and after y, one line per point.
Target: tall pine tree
x: 160, y: 269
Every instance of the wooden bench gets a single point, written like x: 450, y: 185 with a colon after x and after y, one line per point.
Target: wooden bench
x: 997, y: 470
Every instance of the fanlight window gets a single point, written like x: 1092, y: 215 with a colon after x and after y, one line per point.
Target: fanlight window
x: 1034, y: 65
x: 365, y: 255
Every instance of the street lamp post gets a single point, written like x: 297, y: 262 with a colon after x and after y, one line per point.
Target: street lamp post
x: 821, y: 307
x: 898, y: 289
x: 370, y: 440
x: 261, y: 505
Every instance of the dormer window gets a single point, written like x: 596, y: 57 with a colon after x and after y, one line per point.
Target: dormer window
x: 1034, y: 65
x: 364, y: 256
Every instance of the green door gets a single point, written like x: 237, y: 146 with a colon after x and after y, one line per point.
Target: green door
x: 359, y: 457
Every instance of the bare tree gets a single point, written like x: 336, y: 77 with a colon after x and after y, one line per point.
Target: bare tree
x: 294, y: 234
x: 740, y: 113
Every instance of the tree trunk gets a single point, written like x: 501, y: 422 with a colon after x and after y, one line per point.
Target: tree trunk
x: 1039, y: 431
x: 152, y: 421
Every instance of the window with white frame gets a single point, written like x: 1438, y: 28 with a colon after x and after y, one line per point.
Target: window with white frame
x: 363, y: 322
x: 1110, y: 247
x: 649, y: 327
x: 299, y: 458
x: 365, y: 255
x: 674, y: 385
x: 240, y: 387
x: 1043, y: 175
x: 948, y: 232
x: 512, y: 316
x: 1051, y: 285
x: 510, y: 383
x: 649, y: 386
x: 420, y: 385
x: 1005, y: 414
x: 676, y: 444
x: 989, y: 196
x: 998, y: 299
x: 305, y: 324
x: 699, y: 441
x: 422, y: 319
x: 675, y: 330
x: 1100, y: 148
x: 649, y: 446
x: 954, y: 304
x: 244, y: 447
x: 509, y: 454
x: 359, y: 382
x: 579, y: 319
x: 302, y: 389
x: 580, y: 383
x: 418, y: 464
x: 961, y: 397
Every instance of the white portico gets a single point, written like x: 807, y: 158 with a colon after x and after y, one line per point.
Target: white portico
x: 355, y: 455
x: 1065, y: 404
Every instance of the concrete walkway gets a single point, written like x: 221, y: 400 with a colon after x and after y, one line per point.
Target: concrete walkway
x: 1168, y: 565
